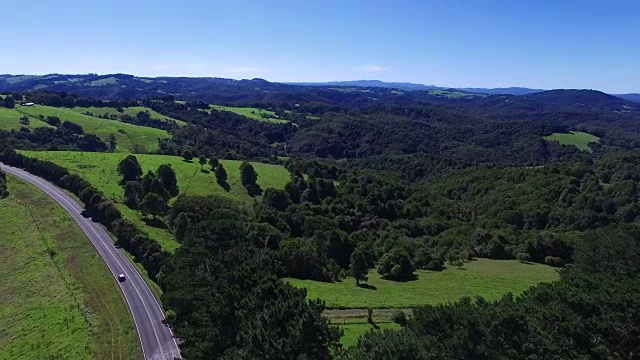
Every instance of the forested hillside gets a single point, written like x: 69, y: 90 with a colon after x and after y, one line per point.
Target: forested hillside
x: 402, y: 184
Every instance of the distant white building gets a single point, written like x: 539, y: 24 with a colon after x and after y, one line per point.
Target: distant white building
x: 28, y: 104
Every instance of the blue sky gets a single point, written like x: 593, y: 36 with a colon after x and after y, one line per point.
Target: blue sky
x: 476, y: 43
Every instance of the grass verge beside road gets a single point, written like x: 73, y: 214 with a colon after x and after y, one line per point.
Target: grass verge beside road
x: 57, y: 297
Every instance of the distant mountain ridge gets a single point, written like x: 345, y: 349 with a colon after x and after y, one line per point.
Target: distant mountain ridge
x: 414, y: 86
x: 502, y: 91
x: 371, y: 83
x: 355, y: 94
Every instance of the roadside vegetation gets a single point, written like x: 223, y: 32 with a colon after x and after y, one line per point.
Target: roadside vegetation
x: 58, y: 298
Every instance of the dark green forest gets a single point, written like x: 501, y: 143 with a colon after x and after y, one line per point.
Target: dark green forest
x: 405, y: 182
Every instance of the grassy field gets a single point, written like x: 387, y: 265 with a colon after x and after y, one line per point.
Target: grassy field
x: 100, y: 169
x: 131, y: 111
x: 482, y: 277
x: 353, y: 332
x: 10, y: 120
x: 130, y: 138
x: 576, y: 138
x: 251, y: 113
x: 57, y: 298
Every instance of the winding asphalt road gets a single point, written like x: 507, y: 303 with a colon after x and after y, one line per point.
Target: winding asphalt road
x: 156, y: 339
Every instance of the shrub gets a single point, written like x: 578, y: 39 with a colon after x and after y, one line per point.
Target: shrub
x: 399, y: 318
x: 396, y: 265
x: 523, y: 257
x: 435, y: 265
x: 554, y: 261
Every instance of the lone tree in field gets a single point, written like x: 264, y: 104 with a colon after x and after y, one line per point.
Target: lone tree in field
x: 248, y: 177
x: 202, y: 160
x: 187, y: 155
x: 112, y: 143
x: 167, y: 176
x: 221, y: 176
x: 213, y: 162
x: 153, y: 204
x: 358, y: 266
x: 130, y: 169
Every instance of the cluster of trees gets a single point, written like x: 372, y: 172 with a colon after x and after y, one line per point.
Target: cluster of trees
x: 151, y: 192
x: 70, y: 100
x: 9, y: 101
x: 98, y: 206
x: 65, y: 135
x: 60, y: 138
x: 223, y: 134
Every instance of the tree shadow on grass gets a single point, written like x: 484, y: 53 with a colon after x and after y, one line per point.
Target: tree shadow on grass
x: 157, y: 222
x: 187, y: 161
x: 367, y: 286
x: 224, y: 185
x: 411, y: 277
x: 205, y: 171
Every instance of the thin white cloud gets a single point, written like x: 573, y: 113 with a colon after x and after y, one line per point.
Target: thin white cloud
x: 160, y: 67
x: 373, y: 68
x: 242, y: 70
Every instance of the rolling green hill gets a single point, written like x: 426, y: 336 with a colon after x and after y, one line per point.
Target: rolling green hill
x: 100, y: 169
x: 251, y: 113
x: 129, y: 137
x: 10, y: 120
x: 131, y: 111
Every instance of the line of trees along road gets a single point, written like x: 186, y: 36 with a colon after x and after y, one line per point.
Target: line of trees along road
x: 99, y: 207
